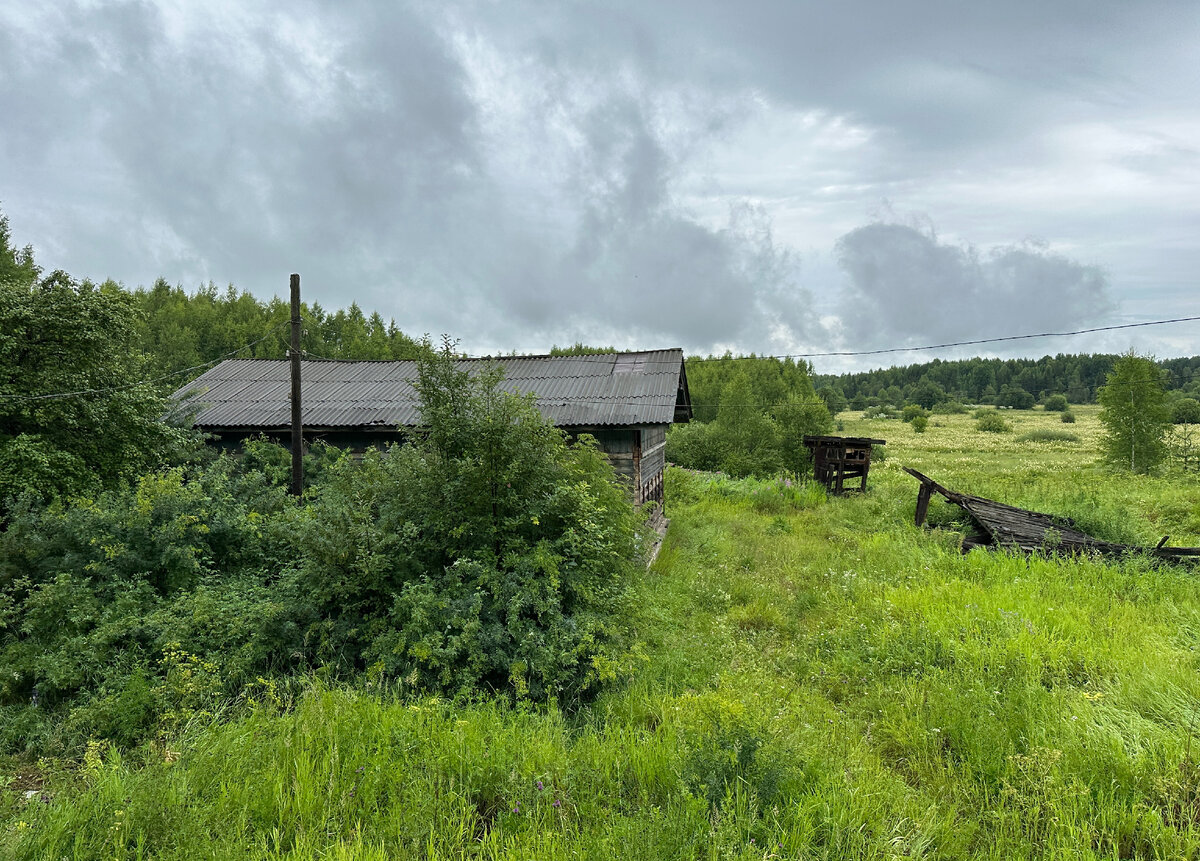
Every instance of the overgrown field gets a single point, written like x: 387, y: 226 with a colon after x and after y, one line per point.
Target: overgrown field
x: 820, y: 680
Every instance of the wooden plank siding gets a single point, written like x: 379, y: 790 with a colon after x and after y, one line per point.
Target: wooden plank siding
x: 638, y: 456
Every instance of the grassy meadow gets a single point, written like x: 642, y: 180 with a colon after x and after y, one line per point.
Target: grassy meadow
x: 816, y: 678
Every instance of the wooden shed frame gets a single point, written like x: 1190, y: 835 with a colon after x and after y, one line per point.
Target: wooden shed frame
x: 839, y: 458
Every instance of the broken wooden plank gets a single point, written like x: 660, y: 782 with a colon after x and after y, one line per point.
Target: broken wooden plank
x: 1002, y: 525
x: 923, y: 496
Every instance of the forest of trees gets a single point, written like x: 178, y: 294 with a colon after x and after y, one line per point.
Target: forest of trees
x: 177, y: 329
x: 1018, y: 383
x: 751, y: 414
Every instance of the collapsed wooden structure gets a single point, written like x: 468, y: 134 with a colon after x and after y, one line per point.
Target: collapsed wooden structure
x: 838, y: 458
x: 997, y: 525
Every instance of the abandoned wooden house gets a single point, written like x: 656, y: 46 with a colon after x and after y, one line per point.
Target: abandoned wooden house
x: 625, y: 400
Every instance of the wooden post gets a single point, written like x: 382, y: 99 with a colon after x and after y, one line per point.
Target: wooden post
x: 297, y: 429
x: 639, y: 495
x: 923, y: 502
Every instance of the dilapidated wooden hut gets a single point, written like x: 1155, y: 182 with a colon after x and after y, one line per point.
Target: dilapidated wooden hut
x: 625, y: 400
x: 839, y: 459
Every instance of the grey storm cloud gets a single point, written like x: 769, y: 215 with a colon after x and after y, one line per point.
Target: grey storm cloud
x: 394, y: 162
x: 910, y: 287
x: 640, y: 174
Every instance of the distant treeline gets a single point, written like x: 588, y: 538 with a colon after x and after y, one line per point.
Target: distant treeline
x: 1005, y: 382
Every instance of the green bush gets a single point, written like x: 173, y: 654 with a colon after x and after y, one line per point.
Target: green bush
x: 1185, y: 411
x: 796, y: 418
x: 1055, y: 403
x: 1068, y: 417
x: 919, y: 423
x: 488, y: 556
x: 1015, y: 397
x: 948, y: 408
x: 912, y: 411
x: 92, y: 593
x: 992, y: 422
x: 694, y: 446
x: 59, y: 335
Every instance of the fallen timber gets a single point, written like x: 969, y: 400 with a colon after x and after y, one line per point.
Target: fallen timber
x: 1005, y: 526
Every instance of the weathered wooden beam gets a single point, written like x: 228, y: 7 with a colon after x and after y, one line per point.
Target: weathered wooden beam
x: 294, y: 354
x: 923, y: 496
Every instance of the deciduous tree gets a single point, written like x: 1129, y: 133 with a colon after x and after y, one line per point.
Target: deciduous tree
x: 1135, y: 414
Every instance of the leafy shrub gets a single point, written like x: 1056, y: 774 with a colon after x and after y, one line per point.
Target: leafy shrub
x: 912, y: 411
x: 992, y: 422
x: 1068, y: 417
x: 1048, y: 435
x: 59, y: 335
x: 489, y: 555
x: 794, y: 419
x: 919, y: 423
x: 882, y: 411
x: 1185, y: 411
x: 693, y: 445
x: 1055, y: 403
x: 92, y: 593
x: 1015, y: 397
x: 948, y: 408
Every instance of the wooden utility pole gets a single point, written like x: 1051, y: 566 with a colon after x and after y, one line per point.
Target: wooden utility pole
x: 297, y: 429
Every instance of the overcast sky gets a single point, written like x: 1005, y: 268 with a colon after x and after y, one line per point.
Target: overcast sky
x: 784, y: 177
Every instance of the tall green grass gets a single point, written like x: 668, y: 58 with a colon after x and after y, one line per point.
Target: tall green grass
x: 820, y: 680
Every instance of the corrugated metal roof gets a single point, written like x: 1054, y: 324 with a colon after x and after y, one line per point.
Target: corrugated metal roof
x: 608, y: 389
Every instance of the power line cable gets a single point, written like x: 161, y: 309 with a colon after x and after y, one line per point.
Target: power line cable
x: 887, y: 350
x: 609, y: 357
x: 59, y: 395
x: 988, y: 340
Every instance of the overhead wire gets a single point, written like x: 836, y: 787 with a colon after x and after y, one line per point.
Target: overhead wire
x: 148, y: 382
x: 609, y: 357
x: 889, y: 350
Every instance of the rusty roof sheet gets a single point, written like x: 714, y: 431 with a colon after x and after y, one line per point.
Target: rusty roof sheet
x: 570, y: 391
